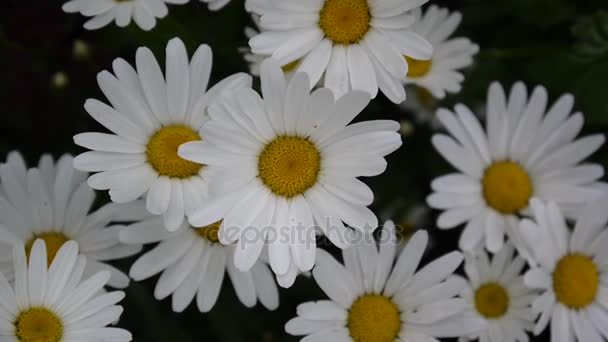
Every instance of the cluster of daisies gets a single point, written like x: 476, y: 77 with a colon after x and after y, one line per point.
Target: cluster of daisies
x: 229, y: 180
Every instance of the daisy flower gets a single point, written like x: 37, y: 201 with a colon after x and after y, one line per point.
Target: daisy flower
x: 150, y: 119
x: 193, y: 263
x: 355, y: 44
x: 526, y: 151
x: 53, y: 203
x: 143, y: 12
x: 54, y: 303
x: 569, y: 267
x: 439, y: 75
x: 369, y: 300
x: 287, y: 164
x: 496, y: 293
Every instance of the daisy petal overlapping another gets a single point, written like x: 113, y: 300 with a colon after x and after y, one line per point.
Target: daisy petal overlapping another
x: 54, y: 303
x: 151, y: 116
x: 569, y: 268
x: 289, y: 163
x: 193, y: 265
x: 429, y: 81
x: 52, y: 202
x: 352, y: 44
x: 143, y: 12
x: 372, y: 300
x: 527, y: 150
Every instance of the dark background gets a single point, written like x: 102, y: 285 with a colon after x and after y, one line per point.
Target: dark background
x: 562, y: 44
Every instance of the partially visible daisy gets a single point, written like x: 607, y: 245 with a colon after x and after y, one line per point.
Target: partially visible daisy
x: 570, y: 268
x: 527, y: 150
x: 369, y: 300
x: 354, y: 44
x: 143, y: 12
x: 150, y: 118
x: 193, y: 263
x: 287, y: 164
x: 439, y: 75
x: 496, y: 293
x: 254, y: 60
x: 53, y: 203
x: 215, y: 5
x: 54, y: 303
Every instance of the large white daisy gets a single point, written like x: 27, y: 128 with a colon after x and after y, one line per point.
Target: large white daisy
x: 372, y: 301
x: 53, y: 203
x: 526, y: 151
x: 496, y: 293
x: 54, y: 303
x: 355, y: 44
x: 193, y: 263
x: 440, y: 74
x: 570, y: 267
x: 143, y: 12
x: 287, y: 164
x: 150, y: 118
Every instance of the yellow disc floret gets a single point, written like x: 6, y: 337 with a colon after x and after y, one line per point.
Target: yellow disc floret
x: 506, y: 187
x: 162, y: 152
x: 53, y: 242
x: 345, y: 21
x: 575, y: 281
x: 210, y: 232
x: 374, y: 318
x: 418, y: 68
x: 289, y: 165
x: 38, y: 325
x: 491, y: 300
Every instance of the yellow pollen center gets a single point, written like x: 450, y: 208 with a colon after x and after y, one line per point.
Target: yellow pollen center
x: 491, y: 300
x: 374, y: 318
x: 418, y: 68
x: 38, y: 325
x: 210, y: 232
x: 289, y: 165
x: 53, y: 242
x: 345, y: 21
x: 161, y: 152
x: 289, y: 67
x: 575, y: 281
x: 506, y: 187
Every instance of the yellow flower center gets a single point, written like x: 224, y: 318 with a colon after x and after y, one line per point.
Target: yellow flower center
x: 289, y: 165
x: 53, y: 242
x: 506, y: 187
x: 491, y: 300
x: 289, y: 67
x: 162, y: 152
x: 38, y: 325
x: 210, y: 232
x: 418, y: 68
x: 374, y: 318
x: 575, y: 281
x: 345, y: 21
